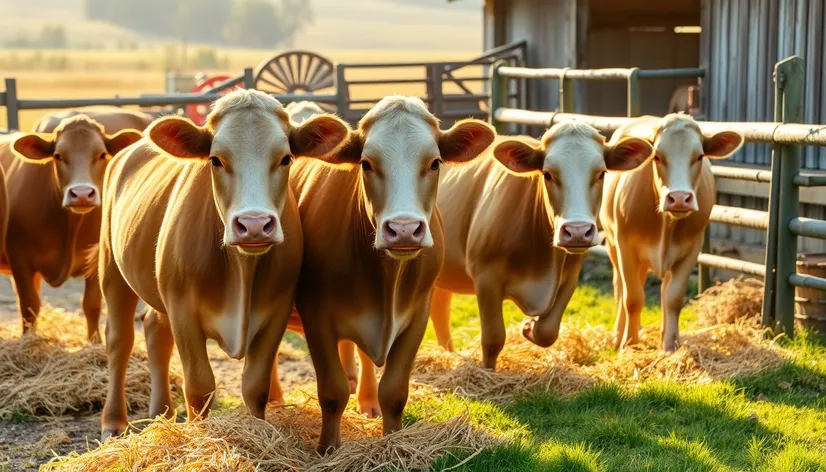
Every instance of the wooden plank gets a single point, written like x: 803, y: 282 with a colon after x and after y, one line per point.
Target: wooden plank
x: 705, y: 54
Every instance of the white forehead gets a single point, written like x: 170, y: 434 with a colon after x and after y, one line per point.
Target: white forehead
x: 400, y: 126
x: 678, y: 137
x: 573, y: 146
x: 244, y: 131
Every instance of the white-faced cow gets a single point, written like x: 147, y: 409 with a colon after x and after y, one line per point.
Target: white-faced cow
x: 654, y: 218
x: 518, y: 225
x: 200, y: 223
x: 372, y: 251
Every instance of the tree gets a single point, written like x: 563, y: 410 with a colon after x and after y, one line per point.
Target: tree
x: 254, y: 23
x: 53, y: 37
x: 296, y: 15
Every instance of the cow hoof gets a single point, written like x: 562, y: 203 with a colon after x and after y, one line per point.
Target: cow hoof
x: 370, y: 411
x: 94, y: 339
x: 107, y: 433
x: 448, y: 346
x: 279, y: 400
x: 527, y: 330
x: 354, y: 383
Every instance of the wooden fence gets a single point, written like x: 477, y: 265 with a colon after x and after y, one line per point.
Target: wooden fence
x: 781, y: 223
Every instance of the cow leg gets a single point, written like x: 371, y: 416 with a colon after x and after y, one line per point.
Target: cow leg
x: 120, y: 336
x: 347, y: 354
x: 91, y: 308
x: 259, y: 365
x: 673, y: 290
x: 27, y: 287
x: 368, y: 388
x: 440, y: 316
x: 619, y: 324
x: 159, y: 344
x: 490, y: 298
x: 199, y: 381
x: 276, y: 395
x: 633, y: 298
x: 395, y: 380
x: 333, y: 387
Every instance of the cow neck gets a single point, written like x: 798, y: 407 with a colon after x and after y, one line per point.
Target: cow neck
x: 74, y: 224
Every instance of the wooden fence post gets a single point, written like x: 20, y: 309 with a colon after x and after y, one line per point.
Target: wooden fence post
x: 249, y: 80
x: 790, y: 76
x: 436, y: 89
x: 12, y: 106
x: 566, y: 93
x: 341, y: 93
x: 633, y: 92
x: 498, y: 95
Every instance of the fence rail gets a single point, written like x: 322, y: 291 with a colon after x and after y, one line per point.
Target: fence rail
x: 781, y: 223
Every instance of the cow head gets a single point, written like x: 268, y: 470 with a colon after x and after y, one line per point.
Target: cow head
x: 680, y: 148
x: 399, y: 149
x: 249, y: 144
x: 569, y: 165
x: 79, y: 150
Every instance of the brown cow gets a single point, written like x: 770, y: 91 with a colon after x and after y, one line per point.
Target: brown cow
x: 211, y: 240
x: 54, y: 187
x: 654, y: 218
x: 518, y: 225
x: 372, y: 252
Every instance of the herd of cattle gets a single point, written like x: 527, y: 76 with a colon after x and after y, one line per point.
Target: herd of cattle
x: 270, y: 218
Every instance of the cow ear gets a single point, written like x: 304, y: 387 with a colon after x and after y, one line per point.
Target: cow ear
x: 628, y: 154
x: 122, y: 140
x: 35, y: 148
x: 722, y: 144
x: 319, y: 136
x: 348, y: 155
x: 465, y: 141
x: 180, y: 138
x: 519, y: 156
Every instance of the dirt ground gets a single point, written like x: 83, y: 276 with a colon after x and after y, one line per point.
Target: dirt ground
x: 25, y: 445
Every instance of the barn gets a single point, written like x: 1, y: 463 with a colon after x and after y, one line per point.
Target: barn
x: 736, y: 42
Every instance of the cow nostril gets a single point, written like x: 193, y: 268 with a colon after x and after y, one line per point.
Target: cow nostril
x: 590, y: 232
x: 92, y: 193
x: 419, y: 232
x: 388, y: 228
x: 689, y: 198
x: 270, y: 226
x: 240, y: 228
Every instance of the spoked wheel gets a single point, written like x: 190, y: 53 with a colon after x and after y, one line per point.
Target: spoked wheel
x: 296, y: 72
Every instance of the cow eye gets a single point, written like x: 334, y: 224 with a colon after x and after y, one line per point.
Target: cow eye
x: 548, y: 176
x: 57, y: 156
x: 701, y: 157
x: 215, y: 161
x: 601, y: 176
x: 286, y: 160
x: 436, y: 164
x: 365, y: 166
x: 103, y: 156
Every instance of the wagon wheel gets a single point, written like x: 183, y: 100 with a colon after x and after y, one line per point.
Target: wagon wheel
x: 295, y: 72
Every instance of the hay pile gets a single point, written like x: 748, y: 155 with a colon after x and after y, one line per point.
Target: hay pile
x: 728, y: 342
x: 725, y: 303
x: 55, y: 372
x: 286, y: 441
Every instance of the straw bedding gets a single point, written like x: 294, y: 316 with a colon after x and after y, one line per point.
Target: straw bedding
x: 55, y: 372
x: 726, y: 343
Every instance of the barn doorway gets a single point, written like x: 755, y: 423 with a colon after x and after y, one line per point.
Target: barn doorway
x: 649, y: 34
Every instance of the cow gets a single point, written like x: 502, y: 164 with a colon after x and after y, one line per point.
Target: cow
x: 302, y: 111
x: 200, y: 223
x: 518, y: 224
x: 654, y: 218
x: 54, y: 180
x: 373, y: 248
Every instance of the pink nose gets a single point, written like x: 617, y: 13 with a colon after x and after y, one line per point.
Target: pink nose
x: 82, y: 195
x: 680, y: 202
x: 404, y: 234
x: 254, y: 230
x: 577, y: 234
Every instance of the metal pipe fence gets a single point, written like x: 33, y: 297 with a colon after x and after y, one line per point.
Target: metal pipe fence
x: 781, y: 222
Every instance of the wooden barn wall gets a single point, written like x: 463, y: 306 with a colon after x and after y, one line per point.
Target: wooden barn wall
x: 741, y: 42
x: 549, y: 26
x: 647, y: 50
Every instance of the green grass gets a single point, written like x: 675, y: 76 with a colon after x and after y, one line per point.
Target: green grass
x: 775, y: 421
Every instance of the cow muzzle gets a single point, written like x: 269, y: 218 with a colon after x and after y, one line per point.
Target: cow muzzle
x: 680, y: 204
x: 81, y: 199
x: 402, y: 237
x: 255, y: 233
x: 576, y: 237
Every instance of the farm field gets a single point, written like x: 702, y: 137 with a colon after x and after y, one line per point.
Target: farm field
x: 727, y: 400
x: 107, y: 73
